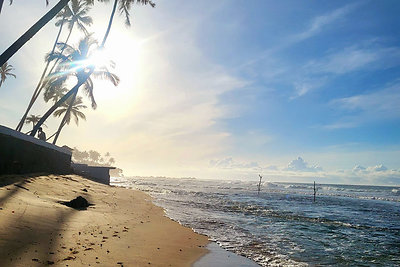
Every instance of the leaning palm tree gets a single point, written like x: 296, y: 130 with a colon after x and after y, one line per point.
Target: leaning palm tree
x: 32, y: 31
x: 86, y: 74
x: 54, y: 93
x: 45, y: 19
x: 71, y: 15
x: 74, y: 64
x: 75, y: 110
x: 6, y: 70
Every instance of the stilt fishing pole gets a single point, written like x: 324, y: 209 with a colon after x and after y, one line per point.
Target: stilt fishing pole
x: 315, y: 191
x: 259, y: 185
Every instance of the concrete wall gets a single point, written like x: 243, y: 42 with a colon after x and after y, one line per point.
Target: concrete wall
x: 96, y: 173
x: 20, y: 153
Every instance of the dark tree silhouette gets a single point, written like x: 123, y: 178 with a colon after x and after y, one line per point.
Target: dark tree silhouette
x: 86, y: 74
x: 32, y: 31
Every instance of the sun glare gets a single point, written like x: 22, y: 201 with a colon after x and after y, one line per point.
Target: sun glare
x: 100, y: 58
x: 127, y: 53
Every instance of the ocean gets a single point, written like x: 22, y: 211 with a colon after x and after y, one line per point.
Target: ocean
x: 347, y: 225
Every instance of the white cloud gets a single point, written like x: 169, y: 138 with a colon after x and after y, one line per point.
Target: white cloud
x: 300, y: 165
x: 317, y: 25
x: 377, y: 168
x: 371, y: 107
x: 355, y: 58
x: 229, y: 163
x: 271, y: 168
x: 306, y: 85
x: 320, y: 22
x: 359, y: 168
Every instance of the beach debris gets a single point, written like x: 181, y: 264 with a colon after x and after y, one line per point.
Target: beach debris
x: 69, y: 258
x: 84, y: 190
x: 35, y: 260
x: 79, y: 203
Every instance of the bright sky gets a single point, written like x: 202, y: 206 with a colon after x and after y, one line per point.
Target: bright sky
x: 294, y: 90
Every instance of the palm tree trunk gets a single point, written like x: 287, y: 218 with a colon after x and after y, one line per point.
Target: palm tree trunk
x: 62, y: 100
x: 80, y: 82
x: 39, y: 86
x: 67, y: 113
x: 62, y: 50
x: 109, y: 24
x: 1, y: 4
x: 32, y: 31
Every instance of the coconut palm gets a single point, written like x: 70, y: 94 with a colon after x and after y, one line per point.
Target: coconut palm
x: 55, y: 92
x: 75, y: 111
x: 75, y: 62
x: 32, y: 31
x: 33, y: 119
x: 6, y: 70
x: 86, y: 74
x: 73, y: 14
x: 49, y: 16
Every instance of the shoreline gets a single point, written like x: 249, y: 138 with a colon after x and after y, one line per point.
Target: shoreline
x: 214, y: 255
x: 122, y: 228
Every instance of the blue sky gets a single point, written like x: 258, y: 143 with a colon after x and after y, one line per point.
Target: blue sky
x: 295, y: 90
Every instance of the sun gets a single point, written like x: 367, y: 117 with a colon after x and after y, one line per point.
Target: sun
x: 125, y: 53
x: 100, y: 58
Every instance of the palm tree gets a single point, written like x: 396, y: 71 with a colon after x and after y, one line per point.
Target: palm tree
x: 76, y: 14
x: 49, y: 16
x: 33, y: 119
x: 74, y: 63
x: 75, y: 111
x: 55, y: 92
x: 6, y: 70
x: 32, y: 31
x: 86, y: 74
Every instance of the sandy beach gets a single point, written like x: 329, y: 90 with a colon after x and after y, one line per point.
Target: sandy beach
x: 121, y: 228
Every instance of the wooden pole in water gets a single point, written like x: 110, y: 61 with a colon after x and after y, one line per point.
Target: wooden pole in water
x: 259, y: 185
x: 315, y: 191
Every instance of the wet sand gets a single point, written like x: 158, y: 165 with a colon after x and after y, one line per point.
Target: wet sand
x: 122, y: 228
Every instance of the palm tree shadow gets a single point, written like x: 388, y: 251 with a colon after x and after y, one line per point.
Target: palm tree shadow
x: 38, y: 239
x: 18, y: 181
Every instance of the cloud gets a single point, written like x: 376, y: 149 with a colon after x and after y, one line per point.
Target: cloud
x: 370, y: 169
x: 316, y: 26
x: 359, y: 168
x: 356, y: 58
x: 271, y: 168
x: 306, y: 85
x: 229, y: 163
x: 365, y: 56
x: 300, y: 165
x: 377, y: 106
x: 377, y: 168
x: 320, y: 22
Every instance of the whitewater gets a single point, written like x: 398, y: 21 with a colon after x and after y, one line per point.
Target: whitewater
x: 348, y: 225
